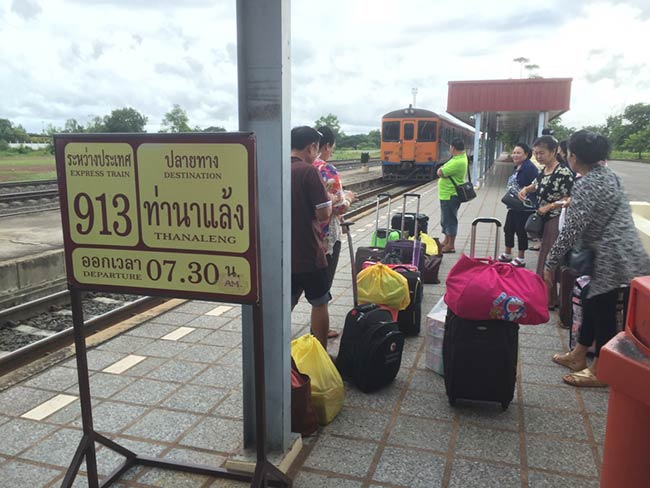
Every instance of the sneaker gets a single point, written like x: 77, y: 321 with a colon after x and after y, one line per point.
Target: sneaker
x: 518, y: 263
x: 504, y: 258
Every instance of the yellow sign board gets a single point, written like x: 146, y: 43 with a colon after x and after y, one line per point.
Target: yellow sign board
x: 156, y: 212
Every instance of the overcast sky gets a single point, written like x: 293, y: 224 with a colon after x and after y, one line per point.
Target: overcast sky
x: 357, y: 59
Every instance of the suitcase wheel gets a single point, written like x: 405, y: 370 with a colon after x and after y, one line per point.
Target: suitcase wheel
x: 452, y: 401
x: 504, y: 406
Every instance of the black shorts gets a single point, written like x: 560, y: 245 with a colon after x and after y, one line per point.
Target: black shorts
x: 314, y: 284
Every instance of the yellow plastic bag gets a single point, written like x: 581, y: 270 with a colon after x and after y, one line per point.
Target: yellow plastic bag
x: 431, y: 247
x: 327, y: 392
x: 381, y: 285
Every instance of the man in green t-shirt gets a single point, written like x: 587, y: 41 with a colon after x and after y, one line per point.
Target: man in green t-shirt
x: 456, y: 169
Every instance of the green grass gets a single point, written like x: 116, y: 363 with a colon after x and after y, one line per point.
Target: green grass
x: 26, y: 167
x: 630, y: 156
x: 354, y: 153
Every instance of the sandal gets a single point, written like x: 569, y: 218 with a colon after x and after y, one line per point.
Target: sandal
x: 448, y: 250
x: 584, y: 378
x: 567, y: 361
x: 518, y: 263
x: 504, y: 258
x: 534, y: 247
x: 331, y: 334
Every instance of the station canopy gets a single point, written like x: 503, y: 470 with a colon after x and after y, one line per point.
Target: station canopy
x: 509, y: 105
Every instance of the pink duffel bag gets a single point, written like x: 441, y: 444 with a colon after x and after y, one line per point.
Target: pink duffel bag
x: 484, y: 289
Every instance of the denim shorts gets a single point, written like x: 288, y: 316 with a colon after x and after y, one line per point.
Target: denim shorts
x: 449, y: 216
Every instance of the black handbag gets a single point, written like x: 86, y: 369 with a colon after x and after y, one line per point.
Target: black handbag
x: 511, y: 200
x: 581, y: 261
x: 465, y: 191
x: 535, y: 225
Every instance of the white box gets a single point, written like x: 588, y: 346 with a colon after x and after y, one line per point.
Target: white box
x: 434, y: 333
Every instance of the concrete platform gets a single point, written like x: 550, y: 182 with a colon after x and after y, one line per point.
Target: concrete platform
x: 182, y: 399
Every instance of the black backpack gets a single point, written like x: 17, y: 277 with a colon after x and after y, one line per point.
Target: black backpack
x: 370, y: 353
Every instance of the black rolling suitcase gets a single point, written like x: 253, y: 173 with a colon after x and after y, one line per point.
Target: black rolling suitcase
x: 370, y: 352
x: 409, y: 252
x: 379, y: 237
x: 409, y: 319
x: 480, y: 356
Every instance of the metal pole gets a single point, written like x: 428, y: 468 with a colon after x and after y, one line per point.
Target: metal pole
x: 477, y: 148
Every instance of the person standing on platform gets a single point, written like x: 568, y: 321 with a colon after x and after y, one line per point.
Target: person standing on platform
x: 341, y: 201
x: 310, y: 207
x: 524, y: 174
x: 598, y: 218
x: 456, y: 169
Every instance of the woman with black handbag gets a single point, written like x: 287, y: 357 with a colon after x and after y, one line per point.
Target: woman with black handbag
x: 524, y: 174
x: 598, y: 221
x: 552, y: 185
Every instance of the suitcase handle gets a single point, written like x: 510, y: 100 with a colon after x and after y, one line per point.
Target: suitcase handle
x: 379, y: 197
x: 485, y: 220
x: 346, y: 226
x: 415, y: 258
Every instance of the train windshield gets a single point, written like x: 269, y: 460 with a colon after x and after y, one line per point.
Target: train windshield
x: 390, y: 132
x: 426, y: 130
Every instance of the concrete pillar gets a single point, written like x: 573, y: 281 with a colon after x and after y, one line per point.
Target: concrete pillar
x: 477, y: 147
x: 541, y: 123
x: 264, y: 67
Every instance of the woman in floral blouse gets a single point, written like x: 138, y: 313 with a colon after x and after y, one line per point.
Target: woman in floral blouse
x: 599, y: 217
x: 552, y: 186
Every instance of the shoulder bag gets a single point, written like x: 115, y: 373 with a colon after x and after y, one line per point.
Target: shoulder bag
x: 465, y: 191
x: 535, y: 225
x: 511, y: 200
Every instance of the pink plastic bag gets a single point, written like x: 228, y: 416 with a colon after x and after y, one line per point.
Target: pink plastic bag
x: 484, y: 289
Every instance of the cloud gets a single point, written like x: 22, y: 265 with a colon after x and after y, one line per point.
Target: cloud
x: 27, y: 9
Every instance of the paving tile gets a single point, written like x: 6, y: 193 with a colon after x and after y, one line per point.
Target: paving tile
x: 338, y: 455
x: 151, y: 330
x: 18, y: 474
x: 57, y: 449
x: 566, y: 424
x: 195, y: 307
x: 232, y: 407
x: 162, y: 425
x: 105, y: 385
x: 144, y: 367
x: 177, y: 479
x: 202, y: 353
x: 552, y: 343
x: 559, y: 455
x: 174, y: 318
x: 537, y: 479
x: 177, y: 370
x: 98, y: 359
x: 125, y: 344
x: 50, y: 407
x: 359, y: 423
x: 549, y: 329
x: 199, y: 399
x: 108, y: 460
x: 488, y: 415
x: 414, y: 469
x: 427, y: 381
x: 19, y: 399
x: 595, y: 399
x: 473, y: 474
x: 209, y: 322
x: 598, y: 427
x: 422, y: 433
x: 163, y: 349
x: 430, y: 405
x: 234, y: 325
x: 488, y: 444
x: 196, y: 336
x: 145, y: 392
x: 232, y: 358
x: 301, y: 318
x: 112, y: 417
x: 223, y: 338
x: 220, y: 377
x: 194, y: 456
x: 532, y: 355
x: 215, y: 434
x: 312, y: 480
x: 384, y: 399
x: 67, y: 415
x: 548, y: 375
x: 554, y: 397
x: 54, y: 379
x: 20, y: 434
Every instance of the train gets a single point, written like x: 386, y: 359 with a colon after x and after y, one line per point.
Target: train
x: 414, y: 142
